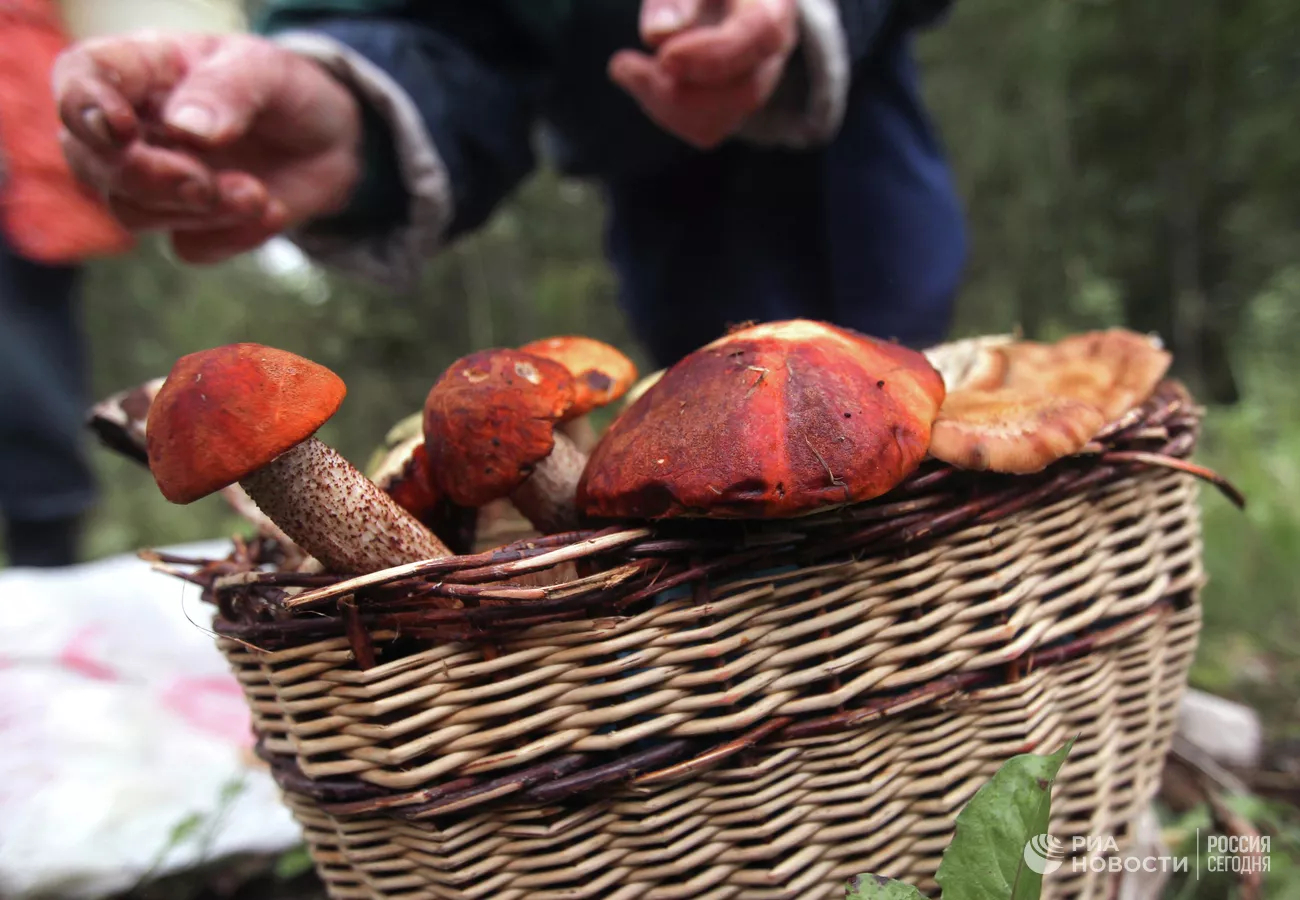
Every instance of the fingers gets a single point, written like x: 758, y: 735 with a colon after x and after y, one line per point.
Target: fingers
x: 701, y: 115
x: 662, y: 18
x: 752, y: 33
x: 215, y: 245
x: 100, y: 84
x: 223, y: 91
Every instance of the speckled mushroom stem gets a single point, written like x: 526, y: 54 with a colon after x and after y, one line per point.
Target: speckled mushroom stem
x: 337, y: 514
x: 549, y: 496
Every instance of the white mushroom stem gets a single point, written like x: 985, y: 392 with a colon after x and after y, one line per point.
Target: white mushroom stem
x: 581, y: 432
x: 549, y: 496
x: 337, y: 514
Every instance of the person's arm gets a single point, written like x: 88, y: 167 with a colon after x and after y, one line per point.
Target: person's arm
x: 834, y: 37
x: 448, y: 117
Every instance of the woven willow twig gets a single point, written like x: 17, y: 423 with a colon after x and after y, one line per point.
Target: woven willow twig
x: 733, y: 710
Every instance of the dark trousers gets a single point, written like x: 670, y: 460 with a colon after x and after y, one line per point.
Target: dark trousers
x: 46, y: 482
x: 865, y: 233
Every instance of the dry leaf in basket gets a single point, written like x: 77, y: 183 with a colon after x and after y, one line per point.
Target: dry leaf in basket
x: 247, y: 413
x: 491, y: 427
x: 776, y: 419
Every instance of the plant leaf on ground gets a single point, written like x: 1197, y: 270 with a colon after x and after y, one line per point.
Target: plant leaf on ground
x: 877, y: 887
x: 986, y: 859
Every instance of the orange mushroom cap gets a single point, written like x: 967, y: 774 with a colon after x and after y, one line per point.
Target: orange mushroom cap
x: 1012, y: 430
x: 601, y: 373
x: 1114, y: 370
x: 226, y: 412
x: 771, y: 420
x: 490, y: 419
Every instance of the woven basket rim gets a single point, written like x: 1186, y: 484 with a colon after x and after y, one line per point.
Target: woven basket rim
x: 635, y: 565
x: 476, y: 597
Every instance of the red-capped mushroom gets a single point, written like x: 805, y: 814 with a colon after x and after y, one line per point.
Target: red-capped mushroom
x: 1011, y: 429
x: 490, y: 432
x: 778, y: 419
x: 601, y: 374
x: 120, y: 422
x: 402, y: 471
x: 247, y: 413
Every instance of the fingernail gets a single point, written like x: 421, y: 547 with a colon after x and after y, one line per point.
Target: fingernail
x: 195, y: 120
x: 97, y: 123
x: 241, y: 194
x: 664, y: 19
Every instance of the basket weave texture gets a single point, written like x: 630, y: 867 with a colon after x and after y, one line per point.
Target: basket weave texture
x: 762, y: 729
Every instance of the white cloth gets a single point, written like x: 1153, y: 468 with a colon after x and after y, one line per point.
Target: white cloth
x: 119, y: 721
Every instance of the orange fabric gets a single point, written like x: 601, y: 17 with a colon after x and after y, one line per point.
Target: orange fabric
x: 46, y: 215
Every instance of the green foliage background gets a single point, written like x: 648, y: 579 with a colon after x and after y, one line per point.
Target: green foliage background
x: 1121, y: 162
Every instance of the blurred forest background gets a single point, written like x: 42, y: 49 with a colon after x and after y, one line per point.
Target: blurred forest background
x: 1121, y: 162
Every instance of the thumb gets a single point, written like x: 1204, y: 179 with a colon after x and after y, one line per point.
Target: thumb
x: 218, y: 98
x: 661, y: 19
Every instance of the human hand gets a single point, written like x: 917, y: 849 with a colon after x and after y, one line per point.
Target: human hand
x: 221, y: 140
x: 716, y: 62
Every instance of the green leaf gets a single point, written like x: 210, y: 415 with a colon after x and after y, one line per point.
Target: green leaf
x: 292, y: 863
x: 878, y: 887
x: 987, y: 859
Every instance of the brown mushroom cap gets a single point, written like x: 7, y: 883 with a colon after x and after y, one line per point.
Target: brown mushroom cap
x: 776, y: 419
x: 601, y: 373
x: 1010, y: 429
x: 490, y: 419
x: 1114, y: 370
x: 227, y: 412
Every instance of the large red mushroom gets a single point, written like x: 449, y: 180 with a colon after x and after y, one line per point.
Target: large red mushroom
x: 247, y: 413
x: 778, y: 419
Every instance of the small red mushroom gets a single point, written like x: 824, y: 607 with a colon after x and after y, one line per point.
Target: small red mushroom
x: 490, y: 432
x: 247, y: 413
x: 778, y: 419
x: 601, y: 374
x: 402, y: 471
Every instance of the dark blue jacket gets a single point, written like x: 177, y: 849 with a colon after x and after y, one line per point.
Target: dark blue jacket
x: 862, y: 228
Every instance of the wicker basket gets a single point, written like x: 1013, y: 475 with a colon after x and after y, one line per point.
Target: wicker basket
x: 714, y: 710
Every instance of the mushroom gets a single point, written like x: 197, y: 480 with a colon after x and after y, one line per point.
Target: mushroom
x: 247, y: 413
x: 120, y: 422
x: 634, y: 393
x: 1114, y: 370
x: 401, y: 470
x: 490, y: 432
x: 777, y: 419
x: 601, y: 375
x: 1011, y: 429
x: 971, y: 362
